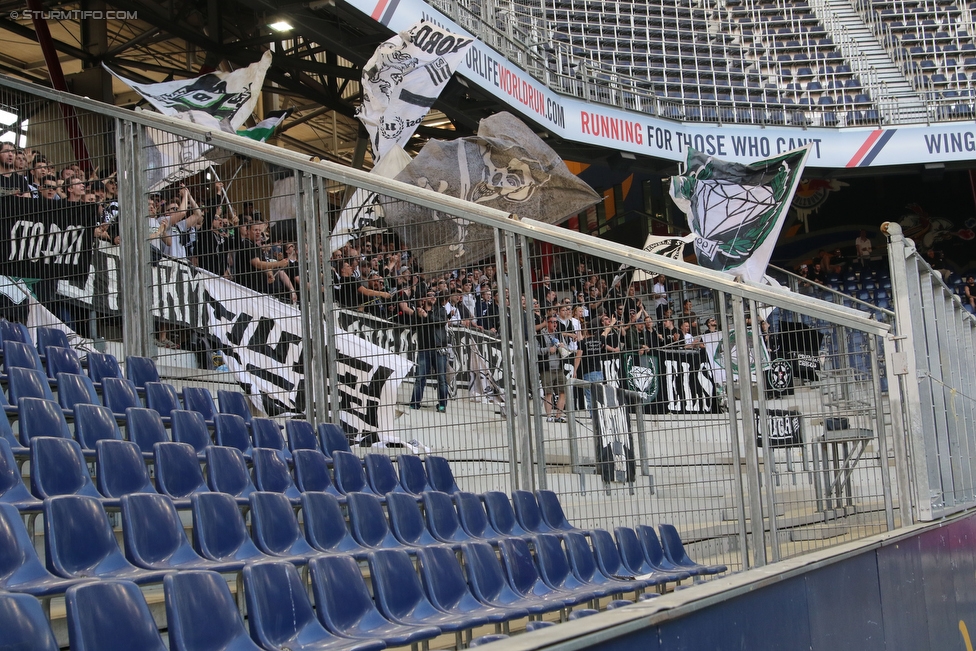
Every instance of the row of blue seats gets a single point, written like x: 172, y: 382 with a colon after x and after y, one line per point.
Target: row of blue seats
x: 81, y: 545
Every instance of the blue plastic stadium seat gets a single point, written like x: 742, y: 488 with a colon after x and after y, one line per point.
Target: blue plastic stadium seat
x: 674, y: 550
x: 80, y: 542
x: 201, y: 613
x: 23, y: 624
x: 162, y: 397
x: 367, y: 522
x: 528, y: 514
x: 556, y: 571
x: 119, y: 394
x: 413, y: 476
x: 189, y: 427
x: 348, y: 473
x: 400, y: 596
x: 312, y: 472
x: 121, y: 469
x: 7, y: 434
x: 266, y: 433
x: 552, y: 511
x: 62, y: 360
x: 96, y: 621
x: 275, y: 530
x: 141, y: 370
x: 632, y: 555
x: 489, y: 585
x: 332, y: 438
x: 654, y: 553
x: 524, y: 577
x: 234, y: 402
x: 227, y: 473
x: 177, y: 469
x: 501, y: 515
x: 198, y: 399
x: 608, y: 559
x: 101, y: 366
x: 219, y: 532
x: 51, y: 337
x: 442, y: 518
x: 344, y: 606
x: 58, y: 468
x: 273, y: 588
x: 231, y: 430
x: 17, y: 354
x: 472, y: 516
x: 271, y: 473
x: 154, y: 539
x: 583, y: 563
x: 439, y: 475
x: 20, y: 568
x: 13, y: 331
x: 145, y: 428
x: 76, y: 390
x: 381, y: 476
x: 28, y: 383
x: 301, y: 435
x: 406, y: 520
x: 13, y: 491
x: 445, y: 585
x: 325, y: 525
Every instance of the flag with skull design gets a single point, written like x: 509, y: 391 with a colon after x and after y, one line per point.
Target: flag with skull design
x: 507, y: 167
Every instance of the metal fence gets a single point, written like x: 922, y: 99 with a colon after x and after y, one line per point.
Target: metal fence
x: 638, y: 388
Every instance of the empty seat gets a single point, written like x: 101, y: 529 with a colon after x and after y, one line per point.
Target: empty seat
x: 234, y: 402
x: 141, y: 370
x: 442, y: 518
x: 110, y: 616
x: 406, y: 520
x: 145, y: 428
x: 39, y: 417
x: 121, y: 469
x: 23, y: 624
x: 13, y: 491
x: 348, y: 473
x: 674, y: 550
x: 528, y: 514
x: 201, y: 614
x: 189, y: 427
x: 274, y: 528
x: 273, y: 588
x: 557, y: 573
x: 445, y: 585
x: 301, y: 435
x: 7, y: 434
x: 119, y: 394
x: 162, y: 397
x: 367, y: 522
x: 198, y: 399
x: 219, y: 532
x: 654, y: 553
x: 439, y: 474
x: 271, y: 473
x: 267, y: 434
x: 227, y: 473
x: 632, y: 555
x: 381, y: 476
x: 488, y: 583
x: 20, y: 355
x: 76, y: 390
x: 501, y: 515
x: 94, y: 423
x: 101, y: 366
x: 608, y: 560
x: 80, y: 542
x: 325, y: 525
x: 231, y: 430
x: 472, y: 516
x: 312, y: 472
x: 400, y: 596
x: 51, y: 337
x: 583, y: 563
x: 27, y: 383
x: 20, y: 568
x: 523, y: 575
x: 344, y: 606
x: 332, y: 438
x: 62, y: 360
x: 552, y: 511
x: 413, y: 476
x: 177, y: 470
x: 154, y: 539
x: 58, y: 468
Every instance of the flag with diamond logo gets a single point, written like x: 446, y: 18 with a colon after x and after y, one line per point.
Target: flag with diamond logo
x: 736, y: 211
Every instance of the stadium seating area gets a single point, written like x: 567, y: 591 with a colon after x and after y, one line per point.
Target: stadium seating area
x: 277, y: 509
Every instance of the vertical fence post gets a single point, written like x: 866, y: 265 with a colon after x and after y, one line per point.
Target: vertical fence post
x: 314, y: 348
x: 508, y: 294
x: 330, y: 318
x: 529, y: 346
x: 134, y: 259
x: 746, y: 400
x: 519, y: 476
x: 769, y: 456
x: 879, y: 427
x: 896, y: 370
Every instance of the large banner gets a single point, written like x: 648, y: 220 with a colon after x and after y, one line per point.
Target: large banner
x: 41, y: 238
x: 687, y: 383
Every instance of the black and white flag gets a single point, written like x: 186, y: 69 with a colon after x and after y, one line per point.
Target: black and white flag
x: 507, y: 167
x: 403, y: 79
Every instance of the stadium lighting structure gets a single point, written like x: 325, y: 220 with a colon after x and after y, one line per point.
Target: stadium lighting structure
x: 280, y: 26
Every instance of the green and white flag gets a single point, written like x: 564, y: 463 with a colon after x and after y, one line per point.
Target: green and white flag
x: 736, y: 211
x: 266, y: 127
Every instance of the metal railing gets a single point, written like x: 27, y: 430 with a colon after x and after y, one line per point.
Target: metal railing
x: 760, y: 438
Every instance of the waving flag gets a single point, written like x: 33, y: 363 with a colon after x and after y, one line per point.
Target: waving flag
x: 506, y: 166
x: 737, y: 211
x: 403, y: 79
x: 266, y: 127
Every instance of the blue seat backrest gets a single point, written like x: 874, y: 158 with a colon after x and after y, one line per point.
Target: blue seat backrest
x: 79, y: 538
x: 471, y: 514
x: 234, y: 402
x: 580, y: 555
x: 152, y: 531
x: 325, y: 524
x: 103, y: 365
x: 274, y: 526
x: 141, y: 370
x: 201, y: 613
x: 485, y: 575
x: 527, y: 512
x: 118, y: 394
x: 406, y: 520
x: 162, y: 397
x: 439, y: 474
x: 368, y: 524
x: 18, y: 562
x: 267, y: 434
x: 198, y: 399
x: 552, y: 510
x: 76, y: 389
x: 397, y: 589
x: 145, y: 428
x: 301, y: 435
x: 51, y: 337
x: 62, y: 360
x: 12, y: 488
x: 94, y: 423
x: 312, y: 471
x: 177, y: 469
x: 39, y: 417
x: 27, y: 383
x: 231, y: 430
x: 349, y: 474
x: 413, y: 476
x: 189, y: 427
x: 381, y: 475
x: 20, y: 355
x: 24, y: 624
x: 219, y: 532
x: 442, y: 518
x: 333, y: 438
x: 227, y: 471
x: 94, y: 623
x: 501, y: 515
x: 121, y: 469
x: 271, y: 473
